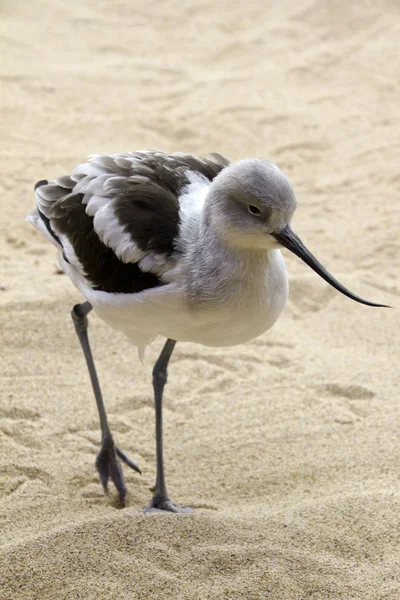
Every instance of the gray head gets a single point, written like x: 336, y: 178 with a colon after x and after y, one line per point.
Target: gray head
x: 251, y: 204
x: 248, y: 201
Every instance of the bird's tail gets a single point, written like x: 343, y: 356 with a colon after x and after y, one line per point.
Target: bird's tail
x: 42, y: 223
x: 41, y: 182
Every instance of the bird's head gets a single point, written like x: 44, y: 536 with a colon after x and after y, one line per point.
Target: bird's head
x: 250, y: 205
x: 250, y: 199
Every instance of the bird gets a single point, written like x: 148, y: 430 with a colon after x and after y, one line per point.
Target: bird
x: 174, y: 246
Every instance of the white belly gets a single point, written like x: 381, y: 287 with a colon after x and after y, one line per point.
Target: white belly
x: 250, y: 310
x: 251, y: 307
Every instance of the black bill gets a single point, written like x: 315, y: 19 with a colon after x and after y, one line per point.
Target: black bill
x: 292, y: 242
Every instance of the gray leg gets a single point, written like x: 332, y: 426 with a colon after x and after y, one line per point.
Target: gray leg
x: 107, y: 462
x: 160, y: 500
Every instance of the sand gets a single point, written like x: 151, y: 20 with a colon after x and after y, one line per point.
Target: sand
x: 288, y: 446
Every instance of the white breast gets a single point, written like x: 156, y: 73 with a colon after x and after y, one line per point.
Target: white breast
x: 251, y: 305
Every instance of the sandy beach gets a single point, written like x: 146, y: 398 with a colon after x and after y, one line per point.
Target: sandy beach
x: 288, y: 446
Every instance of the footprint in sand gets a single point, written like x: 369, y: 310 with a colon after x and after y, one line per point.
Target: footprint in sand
x: 352, y: 392
x: 347, y: 404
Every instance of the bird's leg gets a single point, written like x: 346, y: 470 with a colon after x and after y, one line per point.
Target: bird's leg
x: 160, y: 500
x: 107, y: 462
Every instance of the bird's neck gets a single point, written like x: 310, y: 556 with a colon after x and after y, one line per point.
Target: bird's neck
x: 222, y: 272
x: 228, y: 248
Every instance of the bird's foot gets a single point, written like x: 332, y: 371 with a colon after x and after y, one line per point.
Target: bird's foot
x: 109, y: 466
x: 163, y: 504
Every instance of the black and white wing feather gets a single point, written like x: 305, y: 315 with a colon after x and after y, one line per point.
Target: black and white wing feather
x: 116, y: 218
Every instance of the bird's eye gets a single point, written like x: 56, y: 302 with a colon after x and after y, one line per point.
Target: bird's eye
x: 254, y: 210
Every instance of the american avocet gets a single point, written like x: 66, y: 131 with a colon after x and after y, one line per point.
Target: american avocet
x: 176, y: 246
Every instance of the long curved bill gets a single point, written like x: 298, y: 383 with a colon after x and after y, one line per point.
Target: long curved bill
x: 292, y: 242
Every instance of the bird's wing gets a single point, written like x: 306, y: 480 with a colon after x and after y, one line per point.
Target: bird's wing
x: 116, y: 217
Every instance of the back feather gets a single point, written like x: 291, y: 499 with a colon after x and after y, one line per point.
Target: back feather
x: 116, y: 217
